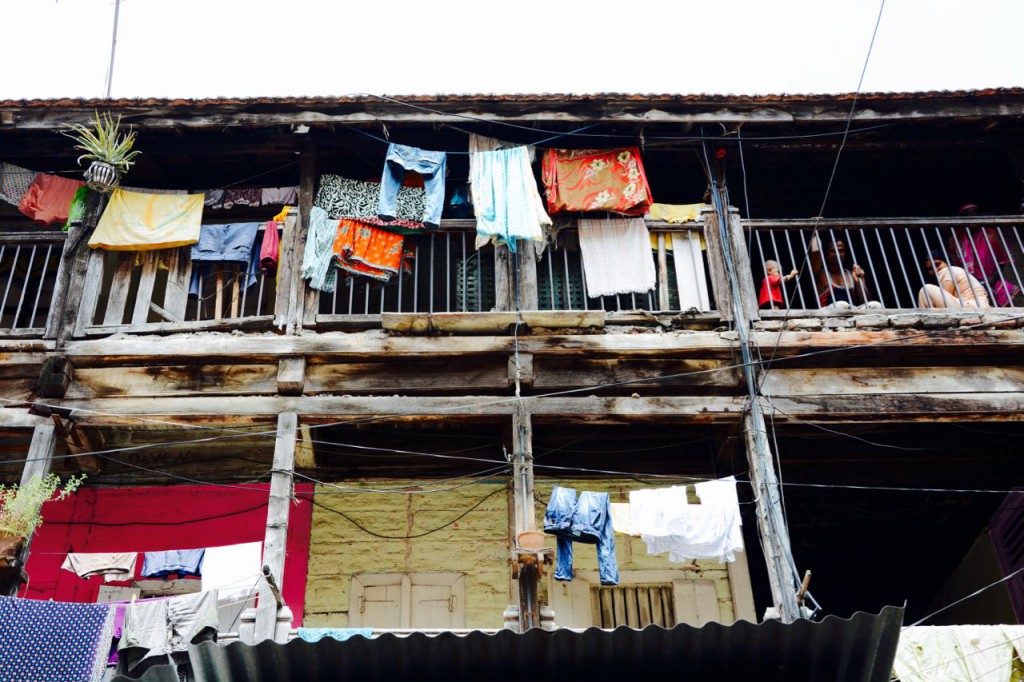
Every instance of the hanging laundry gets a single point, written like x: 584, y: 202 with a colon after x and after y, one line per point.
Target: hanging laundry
x: 368, y: 251
x: 134, y: 221
x: 616, y: 256
x: 157, y: 627
x: 622, y: 518
x: 214, y: 199
x: 230, y: 243
x: 283, y: 215
x: 271, y: 196
x: 53, y: 641
x: 668, y: 523
x: 429, y: 165
x: 48, y: 198
x: 675, y: 213
x: 595, y: 180
x: 270, y: 248
x: 505, y: 197
x: 14, y: 182
x: 119, y: 611
x: 584, y: 519
x: 111, y: 565
x: 460, y: 206
x: 233, y: 570
x: 76, y: 211
x: 340, y: 634
x: 241, y: 197
x: 318, y: 256
x: 344, y: 198
x: 179, y: 561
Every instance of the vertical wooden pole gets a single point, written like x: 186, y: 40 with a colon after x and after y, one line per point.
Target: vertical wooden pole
x: 291, y: 292
x: 526, y: 518
x: 276, y: 536
x: 38, y: 464
x: 74, y: 260
x: 528, y: 275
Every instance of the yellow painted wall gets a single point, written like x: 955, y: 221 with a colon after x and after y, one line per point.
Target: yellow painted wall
x: 476, y: 545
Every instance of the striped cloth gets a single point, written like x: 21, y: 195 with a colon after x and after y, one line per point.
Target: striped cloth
x: 617, y: 256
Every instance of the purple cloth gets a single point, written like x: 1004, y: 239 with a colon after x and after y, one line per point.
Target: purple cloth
x: 54, y: 641
x: 119, y: 610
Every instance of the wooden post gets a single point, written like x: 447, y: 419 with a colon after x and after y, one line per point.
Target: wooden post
x: 276, y: 537
x: 290, y: 301
x: 74, y: 260
x: 741, y: 260
x: 527, y: 276
x: 525, y: 517
x: 716, y: 264
x: 37, y: 465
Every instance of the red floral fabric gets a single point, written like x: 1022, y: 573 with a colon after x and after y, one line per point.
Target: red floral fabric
x: 596, y: 180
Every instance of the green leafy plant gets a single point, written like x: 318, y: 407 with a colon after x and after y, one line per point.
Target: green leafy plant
x: 103, y: 141
x: 21, y: 506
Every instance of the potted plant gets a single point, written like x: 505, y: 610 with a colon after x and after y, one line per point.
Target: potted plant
x: 109, y: 150
x: 21, y: 510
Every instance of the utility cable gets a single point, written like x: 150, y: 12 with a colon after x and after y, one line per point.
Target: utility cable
x: 970, y: 596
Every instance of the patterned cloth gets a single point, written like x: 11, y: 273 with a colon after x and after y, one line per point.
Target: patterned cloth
x: 14, y: 182
x: 344, y: 198
x: 596, y: 180
x: 362, y: 249
x: 272, y: 196
x: 241, y: 197
x: 48, y: 198
x: 53, y: 641
x: 134, y: 221
x: 616, y: 256
x: 318, y: 256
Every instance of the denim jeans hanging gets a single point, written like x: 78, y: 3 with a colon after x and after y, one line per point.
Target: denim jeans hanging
x: 586, y: 519
x: 430, y: 165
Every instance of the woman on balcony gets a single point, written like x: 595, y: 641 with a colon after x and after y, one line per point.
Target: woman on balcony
x: 837, y: 287
x: 957, y: 288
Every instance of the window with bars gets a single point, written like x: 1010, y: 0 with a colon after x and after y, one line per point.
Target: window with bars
x: 636, y: 606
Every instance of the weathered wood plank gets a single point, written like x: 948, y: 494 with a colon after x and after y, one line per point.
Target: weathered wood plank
x: 19, y: 418
x: 741, y: 261
x: 489, y: 323
x: 663, y: 298
x: 910, y: 380
x: 179, y: 274
x: 66, y: 307
x: 702, y: 344
x: 429, y: 375
x: 716, y: 264
x: 291, y: 375
x: 244, y: 323
x: 590, y: 409
x: 558, y: 373
x: 89, y: 293
x: 120, y: 283
x: 147, y: 280
x: 173, y: 380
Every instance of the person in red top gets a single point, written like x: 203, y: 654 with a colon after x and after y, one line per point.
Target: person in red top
x: 771, y: 285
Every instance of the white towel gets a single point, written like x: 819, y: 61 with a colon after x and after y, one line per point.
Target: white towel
x: 233, y: 570
x: 617, y: 256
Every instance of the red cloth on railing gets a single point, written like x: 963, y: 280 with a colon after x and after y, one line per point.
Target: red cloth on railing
x: 596, y: 180
x: 48, y: 198
x: 161, y: 518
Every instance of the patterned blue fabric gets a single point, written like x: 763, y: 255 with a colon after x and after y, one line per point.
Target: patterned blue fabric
x: 340, y: 634
x: 53, y: 641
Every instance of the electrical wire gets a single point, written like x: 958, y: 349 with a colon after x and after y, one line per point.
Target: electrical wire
x: 970, y: 596
x: 478, y: 477
x: 415, y: 535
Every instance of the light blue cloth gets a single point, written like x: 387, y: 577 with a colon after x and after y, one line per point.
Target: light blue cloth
x: 230, y: 243
x: 505, y: 198
x: 430, y: 165
x: 340, y: 634
x: 318, y: 258
x: 180, y: 561
x: 588, y: 519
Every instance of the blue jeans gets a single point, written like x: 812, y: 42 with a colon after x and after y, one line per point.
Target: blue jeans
x: 586, y: 519
x: 431, y: 165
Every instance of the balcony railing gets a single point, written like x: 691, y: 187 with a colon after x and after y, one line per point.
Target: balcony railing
x: 682, y: 284
x: 28, y: 274
x: 894, y: 255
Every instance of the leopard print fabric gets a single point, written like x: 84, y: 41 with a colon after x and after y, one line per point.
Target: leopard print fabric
x: 345, y: 198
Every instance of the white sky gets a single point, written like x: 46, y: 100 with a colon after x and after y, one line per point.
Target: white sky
x: 209, y: 48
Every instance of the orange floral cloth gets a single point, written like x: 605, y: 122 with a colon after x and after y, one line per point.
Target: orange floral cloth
x: 596, y: 180
x: 368, y: 251
x: 48, y: 198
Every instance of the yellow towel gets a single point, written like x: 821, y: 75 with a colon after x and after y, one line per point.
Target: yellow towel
x: 668, y: 241
x: 283, y: 214
x: 134, y: 221
x: 675, y: 213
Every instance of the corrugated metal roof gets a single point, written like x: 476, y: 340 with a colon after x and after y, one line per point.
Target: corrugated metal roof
x: 858, y: 649
x: 485, y: 98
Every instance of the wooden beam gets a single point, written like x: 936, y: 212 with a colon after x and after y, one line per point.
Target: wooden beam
x: 276, y: 538
x: 71, y: 272
x: 846, y: 381
x: 291, y: 375
x: 490, y: 323
x: 305, y: 453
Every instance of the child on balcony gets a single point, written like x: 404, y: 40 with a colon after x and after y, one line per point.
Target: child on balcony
x: 771, y: 285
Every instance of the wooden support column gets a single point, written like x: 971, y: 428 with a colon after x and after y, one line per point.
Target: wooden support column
x: 291, y: 293
x: 38, y: 463
x: 716, y: 264
x: 525, y: 517
x: 276, y: 537
x: 505, y: 277
x: 741, y: 261
x: 71, y: 272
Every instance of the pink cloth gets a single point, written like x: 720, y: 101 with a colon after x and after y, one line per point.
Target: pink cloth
x: 982, y: 252
x: 48, y: 198
x: 271, y: 249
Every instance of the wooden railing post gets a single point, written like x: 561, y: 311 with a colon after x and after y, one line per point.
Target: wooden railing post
x: 294, y: 298
x: 71, y: 272
x: 505, y: 277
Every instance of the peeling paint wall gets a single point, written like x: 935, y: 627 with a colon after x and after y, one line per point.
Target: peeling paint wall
x: 476, y: 545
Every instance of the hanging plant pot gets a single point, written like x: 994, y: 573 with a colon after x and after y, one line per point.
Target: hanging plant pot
x: 10, y: 549
x: 102, y: 177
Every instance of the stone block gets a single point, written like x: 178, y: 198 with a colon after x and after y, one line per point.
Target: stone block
x: 905, y: 321
x: 862, y: 321
x: 768, y: 326
x: 804, y: 323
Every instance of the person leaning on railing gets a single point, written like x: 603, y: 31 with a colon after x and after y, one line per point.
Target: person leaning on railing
x: 957, y: 288
x: 838, y: 287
